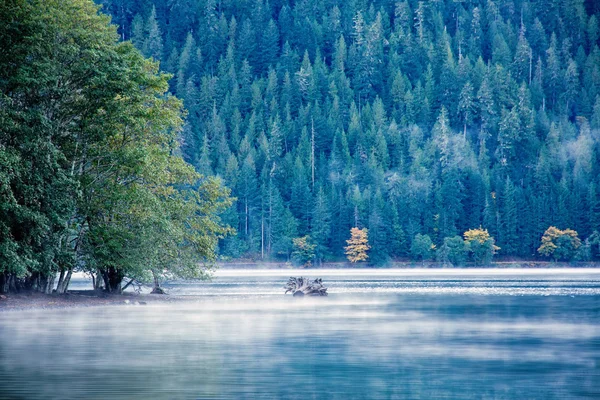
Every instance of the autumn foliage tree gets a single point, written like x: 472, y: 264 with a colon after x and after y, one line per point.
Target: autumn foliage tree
x: 358, y: 245
x: 560, y: 245
x: 481, y: 245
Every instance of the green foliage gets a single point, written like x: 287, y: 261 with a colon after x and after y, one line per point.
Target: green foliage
x: 422, y: 248
x: 91, y: 140
x: 453, y: 251
x: 453, y: 115
x: 304, y: 251
x: 561, y: 245
x: 594, y: 243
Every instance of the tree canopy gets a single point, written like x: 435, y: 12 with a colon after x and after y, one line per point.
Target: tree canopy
x: 92, y: 176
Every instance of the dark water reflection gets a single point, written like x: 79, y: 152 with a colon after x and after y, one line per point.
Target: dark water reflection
x: 392, y: 336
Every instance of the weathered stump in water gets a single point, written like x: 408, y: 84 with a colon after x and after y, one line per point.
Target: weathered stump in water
x: 304, y: 287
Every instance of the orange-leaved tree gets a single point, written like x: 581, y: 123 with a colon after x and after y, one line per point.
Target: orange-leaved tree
x: 358, y: 245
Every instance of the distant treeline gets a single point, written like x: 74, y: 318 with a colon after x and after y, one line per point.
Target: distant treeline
x: 407, y: 117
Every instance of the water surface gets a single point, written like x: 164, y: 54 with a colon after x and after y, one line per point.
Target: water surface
x: 384, y: 334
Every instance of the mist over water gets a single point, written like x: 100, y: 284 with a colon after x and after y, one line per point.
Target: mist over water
x: 386, y: 334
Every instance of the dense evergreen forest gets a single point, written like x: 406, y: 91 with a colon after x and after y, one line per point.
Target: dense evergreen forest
x: 407, y: 118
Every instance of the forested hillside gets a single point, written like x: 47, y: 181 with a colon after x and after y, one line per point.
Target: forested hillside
x: 407, y: 118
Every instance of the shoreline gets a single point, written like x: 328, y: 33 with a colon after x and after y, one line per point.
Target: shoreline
x: 84, y: 298
x: 409, y: 265
x: 81, y: 299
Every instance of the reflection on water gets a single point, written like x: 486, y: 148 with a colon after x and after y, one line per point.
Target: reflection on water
x: 388, y: 335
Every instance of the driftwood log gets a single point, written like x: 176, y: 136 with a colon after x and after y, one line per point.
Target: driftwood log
x: 304, y: 287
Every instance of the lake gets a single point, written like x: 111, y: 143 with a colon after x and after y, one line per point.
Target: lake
x: 380, y: 334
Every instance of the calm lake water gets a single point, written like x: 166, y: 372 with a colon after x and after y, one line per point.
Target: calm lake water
x: 384, y: 334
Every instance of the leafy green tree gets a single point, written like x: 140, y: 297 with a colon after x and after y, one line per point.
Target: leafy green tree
x: 481, y: 245
x: 584, y: 252
x: 422, y: 247
x: 304, y: 251
x: 117, y: 198
x: 559, y: 244
x: 594, y: 242
x: 453, y: 251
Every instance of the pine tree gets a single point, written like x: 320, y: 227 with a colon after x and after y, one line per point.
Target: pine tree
x: 283, y: 228
x: 508, y: 137
x: 153, y: 44
x: 508, y: 235
x: 321, y: 228
x: 269, y: 46
x: 466, y: 105
x: 487, y: 107
x: 247, y: 194
x: 522, y: 64
x: 571, y: 84
x: 301, y: 202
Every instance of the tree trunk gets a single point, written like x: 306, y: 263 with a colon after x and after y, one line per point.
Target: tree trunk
x: 128, y: 284
x: 3, y: 283
x: 112, y: 280
x: 157, y: 289
x: 67, y: 280
x: 61, y: 279
x: 37, y: 282
x: 48, y: 283
x: 63, y: 282
x: 98, y: 281
x: 12, y: 283
x: 32, y: 282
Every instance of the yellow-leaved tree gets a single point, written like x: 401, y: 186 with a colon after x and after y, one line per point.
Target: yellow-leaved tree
x: 560, y: 245
x: 358, y: 245
x: 481, y: 245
